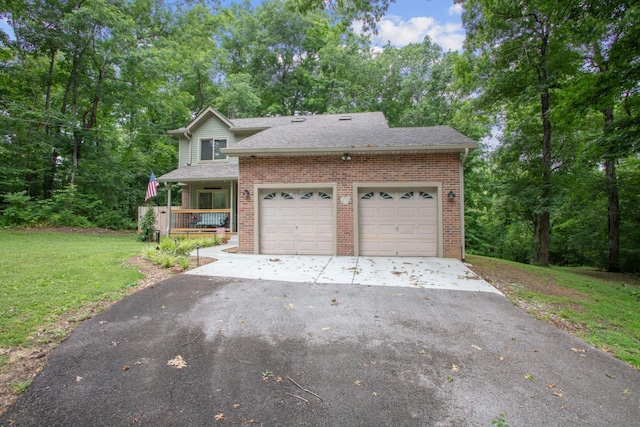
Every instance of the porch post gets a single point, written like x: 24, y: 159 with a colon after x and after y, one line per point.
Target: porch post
x: 231, y: 205
x: 168, y: 184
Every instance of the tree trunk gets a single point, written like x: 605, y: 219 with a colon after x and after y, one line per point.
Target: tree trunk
x: 545, y: 195
x: 609, y: 156
x: 613, y: 207
x: 49, y: 175
x: 535, y: 242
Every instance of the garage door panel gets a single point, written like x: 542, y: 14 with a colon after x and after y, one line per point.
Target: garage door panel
x: 387, y: 248
x: 384, y: 230
x: 297, y: 222
x: 407, y: 247
x: 398, y: 223
x: 325, y: 212
x: 407, y: 230
x: 407, y: 212
x: 427, y: 230
x: 367, y: 230
x: 386, y: 212
x: 306, y: 212
x: 425, y: 212
x: 306, y: 229
x: 325, y: 229
x: 427, y: 247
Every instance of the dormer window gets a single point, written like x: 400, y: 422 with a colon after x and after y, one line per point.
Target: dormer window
x: 210, y: 149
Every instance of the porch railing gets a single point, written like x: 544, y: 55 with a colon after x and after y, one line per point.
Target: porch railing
x: 199, y: 220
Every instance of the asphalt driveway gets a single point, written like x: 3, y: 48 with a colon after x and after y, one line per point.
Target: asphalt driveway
x: 298, y: 354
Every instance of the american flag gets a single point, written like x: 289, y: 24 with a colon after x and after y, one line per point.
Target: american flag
x: 152, y: 188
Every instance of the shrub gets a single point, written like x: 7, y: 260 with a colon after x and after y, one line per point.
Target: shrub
x: 183, y: 262
x: 147, y: 226
x: 175, y: 250
x: 114, y: 220
x: 66, y: 218
x: 20, y: 210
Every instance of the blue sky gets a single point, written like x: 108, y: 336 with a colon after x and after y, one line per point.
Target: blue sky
x: 409, y: 21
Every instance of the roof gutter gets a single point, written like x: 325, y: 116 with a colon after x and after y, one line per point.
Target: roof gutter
x: 246, y: 152
x: 199, y: 179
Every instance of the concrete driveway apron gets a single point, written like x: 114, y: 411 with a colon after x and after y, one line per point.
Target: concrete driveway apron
x: 412, y: 272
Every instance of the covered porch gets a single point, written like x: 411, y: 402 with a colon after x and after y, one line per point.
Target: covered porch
x: 209, y: 200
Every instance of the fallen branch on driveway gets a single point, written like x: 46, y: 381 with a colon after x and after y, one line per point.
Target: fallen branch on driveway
x: 187, y: 343
x: 298, y: 397
x: 243, y: 361
x: 303, y: 389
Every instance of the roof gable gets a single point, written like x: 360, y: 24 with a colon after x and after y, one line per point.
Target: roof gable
x: 201, y: 118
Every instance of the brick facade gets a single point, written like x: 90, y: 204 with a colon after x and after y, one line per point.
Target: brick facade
x: 441, y: 168
x: 186, y: 197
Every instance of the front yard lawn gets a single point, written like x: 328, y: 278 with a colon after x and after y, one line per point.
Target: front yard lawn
x: 44, y: 274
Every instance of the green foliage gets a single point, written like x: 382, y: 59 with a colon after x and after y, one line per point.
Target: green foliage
x: 19, y: 210
x: 500, y: 421
x: 21, y: 387
x: 46, y: 274
x: 147, y: 226
x: 175, y: 250
x: 183, y: 262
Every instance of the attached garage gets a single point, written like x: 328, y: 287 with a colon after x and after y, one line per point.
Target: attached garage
x: 398, y: 222
x: 297, y: 222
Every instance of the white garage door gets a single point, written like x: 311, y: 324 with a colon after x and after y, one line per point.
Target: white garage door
x: 294, y: 222
x: 398, y: 223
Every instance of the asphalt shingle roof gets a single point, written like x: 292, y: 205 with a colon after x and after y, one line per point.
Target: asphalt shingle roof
x: 369, y: 120
x: 201, y: 172
x: 322, y: 133
x: 361, y: 133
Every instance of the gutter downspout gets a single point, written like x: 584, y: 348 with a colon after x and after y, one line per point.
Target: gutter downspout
x: 462, y: 234
x: 186, y: 135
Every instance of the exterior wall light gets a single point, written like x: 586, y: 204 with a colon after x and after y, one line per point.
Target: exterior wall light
x: 346, y: 157
x: 451, y: 194
x: 246, y: 192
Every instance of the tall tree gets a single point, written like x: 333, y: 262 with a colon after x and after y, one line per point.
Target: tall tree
x: 604, y: 31
x: 524, y: 57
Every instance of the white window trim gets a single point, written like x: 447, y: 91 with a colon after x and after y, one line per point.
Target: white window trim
x: 213, y: 138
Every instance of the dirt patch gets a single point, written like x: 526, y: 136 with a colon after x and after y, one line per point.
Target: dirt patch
x: 508, y: 279
x: 19, y: 365
x: 627, y: 279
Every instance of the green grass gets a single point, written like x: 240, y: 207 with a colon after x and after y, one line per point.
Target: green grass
x: 605, y: 309
x: 45, y: 274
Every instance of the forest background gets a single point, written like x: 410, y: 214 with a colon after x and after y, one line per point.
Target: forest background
x: 88, y: 89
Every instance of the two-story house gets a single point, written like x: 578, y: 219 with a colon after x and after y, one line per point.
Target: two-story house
x: 334, y: 184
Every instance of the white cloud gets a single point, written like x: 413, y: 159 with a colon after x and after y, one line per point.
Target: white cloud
x: 398, y: 32
x: 456, y: 9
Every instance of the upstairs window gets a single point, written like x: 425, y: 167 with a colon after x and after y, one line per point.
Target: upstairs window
x: 210, y: 149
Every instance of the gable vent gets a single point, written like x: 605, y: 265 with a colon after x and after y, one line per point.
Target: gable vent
x: 341, y: 118
x: 298, y: 119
